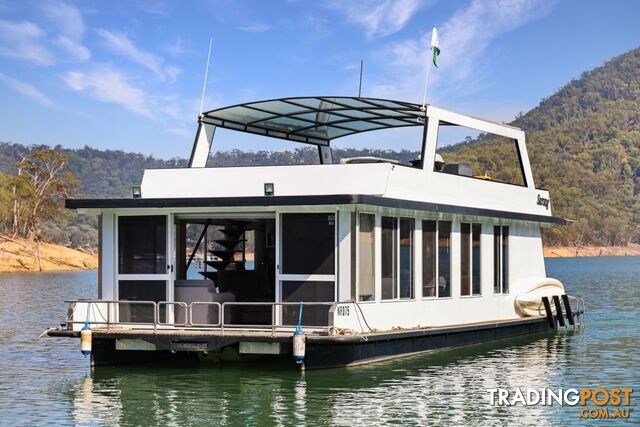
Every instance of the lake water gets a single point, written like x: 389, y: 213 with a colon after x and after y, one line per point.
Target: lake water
x: 49, y: 381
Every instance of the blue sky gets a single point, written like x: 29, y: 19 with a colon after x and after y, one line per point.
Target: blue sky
x: 128, y: 75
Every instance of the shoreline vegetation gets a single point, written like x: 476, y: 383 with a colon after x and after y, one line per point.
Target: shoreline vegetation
x: 17, y: 255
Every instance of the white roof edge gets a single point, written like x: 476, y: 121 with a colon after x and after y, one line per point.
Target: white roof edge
x: 432, y: 109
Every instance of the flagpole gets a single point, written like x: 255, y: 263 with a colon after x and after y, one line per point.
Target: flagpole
x: 426, y: 82
x: 434, y: 42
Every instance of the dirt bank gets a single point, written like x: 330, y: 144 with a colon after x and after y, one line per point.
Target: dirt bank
x: 586, y: 251
x: 18, y: 255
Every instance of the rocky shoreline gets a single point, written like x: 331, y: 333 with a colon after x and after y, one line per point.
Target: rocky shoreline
x: 591, y: 251
x: 17, y: 255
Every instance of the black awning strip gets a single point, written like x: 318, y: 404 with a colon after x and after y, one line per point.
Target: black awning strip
x: 337, y: 199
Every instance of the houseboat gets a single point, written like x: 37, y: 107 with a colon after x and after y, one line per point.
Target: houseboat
x: 336, y: 263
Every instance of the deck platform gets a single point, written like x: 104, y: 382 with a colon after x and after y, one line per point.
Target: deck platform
x: 323, y: 350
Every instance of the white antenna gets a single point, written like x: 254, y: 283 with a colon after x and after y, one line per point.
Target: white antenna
x: 206, y: 73
x: 360, y: 86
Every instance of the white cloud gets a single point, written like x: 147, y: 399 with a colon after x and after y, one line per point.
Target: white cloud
x: 468, y: 34
x: 27, y: 90
x: 76, y: 51
x: 66, y: 17
x: 256, y: 27
x: 109, y: 85
x: 463, y: 40
x: 379, y: 18
x: 68, y: 21
x: 120, y: 44
x: 24, y: 40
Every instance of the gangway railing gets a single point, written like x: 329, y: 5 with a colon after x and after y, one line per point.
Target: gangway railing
x: 176, y: 314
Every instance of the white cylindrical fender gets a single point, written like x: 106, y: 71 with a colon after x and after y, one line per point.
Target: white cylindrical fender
x: 85, y: 340
x: 299, y: 347
x: 529, y: 302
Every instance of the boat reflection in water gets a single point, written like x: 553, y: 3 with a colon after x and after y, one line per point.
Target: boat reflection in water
x: 442, y: 386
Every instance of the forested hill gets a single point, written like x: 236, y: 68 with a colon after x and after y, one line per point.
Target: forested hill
x: 111, y: 173
x: 102, y: 173
x: 584, y: 145
x: 583, y: 142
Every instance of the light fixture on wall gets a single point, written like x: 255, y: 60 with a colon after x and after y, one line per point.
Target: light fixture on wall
x: 268, y: 189
x: 136, y: 191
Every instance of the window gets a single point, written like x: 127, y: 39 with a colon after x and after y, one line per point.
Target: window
x: 494, y: 158
x: 142, y: 244
x: 366, y: 257
x: 476, y: 232
x: 501, y: 259
x: 465, y: 259
x: 308, y: 243
x: 406, y: 257
x: 470, y: 258
x: 397, y: 258
x: 429, y: 258
x: 444, y: 259
x: 436, y: 259
x: 389, y: 255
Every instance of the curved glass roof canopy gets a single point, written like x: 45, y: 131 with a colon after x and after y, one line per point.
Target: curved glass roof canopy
x: 315, y: 120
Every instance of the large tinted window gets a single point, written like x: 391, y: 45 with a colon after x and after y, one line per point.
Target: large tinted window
x: 505, y: 259
x: 142, y: 244
x: 444, y: 258
x: 465, y: 259
x: 476, y: 231
x: 389, y: 257
x: 366, y: 265
x: 497, y: 260
x: 308, y: 243
x: 428, y: 258
x: 406, y: 258
x: 470, y: 258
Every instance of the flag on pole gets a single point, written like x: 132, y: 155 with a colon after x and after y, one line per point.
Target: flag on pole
x: 434, y: 46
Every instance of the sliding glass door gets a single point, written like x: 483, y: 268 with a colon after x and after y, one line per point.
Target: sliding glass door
x: 144, y: 266
x: 307, y: 264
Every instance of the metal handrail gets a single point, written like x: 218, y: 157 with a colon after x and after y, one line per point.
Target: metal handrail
x: 109, y: 303
x: 172, y: 303
x: 273, y: 305
x: 221, y: 323
x: 197, y: 303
